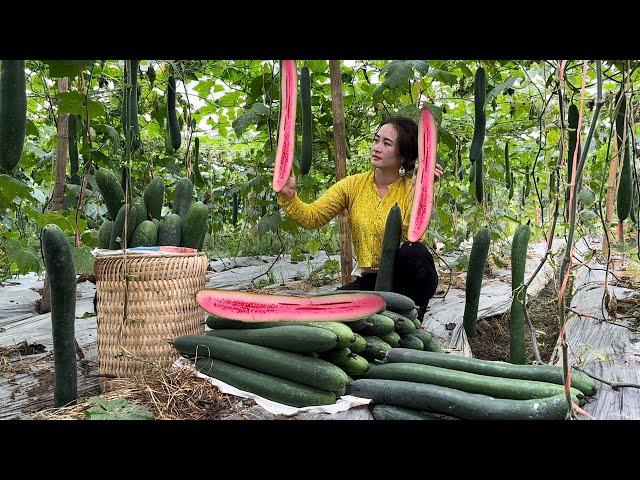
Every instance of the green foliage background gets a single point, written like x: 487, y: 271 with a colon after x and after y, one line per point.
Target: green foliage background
x: 233, y: 107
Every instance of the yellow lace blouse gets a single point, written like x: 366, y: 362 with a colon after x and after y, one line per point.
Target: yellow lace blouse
x: 366, y: 210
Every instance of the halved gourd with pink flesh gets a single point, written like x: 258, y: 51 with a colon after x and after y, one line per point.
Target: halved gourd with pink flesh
x: 423, y: 194
x: 257, y: 307
x: 287, y: 132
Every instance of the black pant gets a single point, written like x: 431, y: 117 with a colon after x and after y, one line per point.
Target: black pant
x: 415, y: 275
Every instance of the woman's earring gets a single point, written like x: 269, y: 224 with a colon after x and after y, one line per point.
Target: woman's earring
x: 401, y: 171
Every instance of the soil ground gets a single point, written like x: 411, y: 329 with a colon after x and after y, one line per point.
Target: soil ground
x: 491, y: 341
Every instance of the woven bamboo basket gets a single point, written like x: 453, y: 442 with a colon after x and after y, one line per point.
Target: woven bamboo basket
x: 161, y: 306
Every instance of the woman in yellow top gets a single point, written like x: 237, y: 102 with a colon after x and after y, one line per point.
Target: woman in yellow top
x: 368, y: 198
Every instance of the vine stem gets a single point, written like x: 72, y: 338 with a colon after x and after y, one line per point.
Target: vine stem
x: 575, y: 176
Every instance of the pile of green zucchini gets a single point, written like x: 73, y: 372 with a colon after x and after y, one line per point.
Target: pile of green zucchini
x: 410, y: 382
x: 184, y: 226
x: 302, y: 363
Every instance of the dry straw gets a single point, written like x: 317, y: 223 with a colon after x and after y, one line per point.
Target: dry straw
x: 176, y: 394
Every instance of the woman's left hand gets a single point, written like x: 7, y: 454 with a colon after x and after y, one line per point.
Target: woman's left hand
x: 439, y: 172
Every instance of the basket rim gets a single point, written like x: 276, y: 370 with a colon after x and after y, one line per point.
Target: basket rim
x: 148, y: 255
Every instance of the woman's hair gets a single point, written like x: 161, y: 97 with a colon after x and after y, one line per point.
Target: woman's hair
x: 407, y: 143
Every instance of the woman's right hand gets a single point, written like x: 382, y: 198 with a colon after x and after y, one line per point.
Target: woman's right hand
x: 289, y: 189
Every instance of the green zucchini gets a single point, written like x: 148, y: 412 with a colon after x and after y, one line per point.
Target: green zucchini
x: 291, y: 366
x: 403, y: 325
x: 111, y: 191
x: 389, y: 412
x: 410, y: 341
x: 336, y: 355
x: 354, y: 365
x: 542, y: 373
x: 267, y: 386
x: 390, y: 245
x: 378, y: 325
x: 13, y: 113
x: 507, y: 166
x: 73, y: 149
x: 197, y: 176
x: 359, y: 343
x: 194, y: 226
x: 174, y: 126
x: 345, y: 335
x: 154, y: 197
x: 104, y: 234
x: 117, y: 233
x: 497, y: 387
x: 183, y: 197
x: 480, y: 119
x: 625, y: 189
x: 145, y: 235
x: 470, y: 406
x: 392, y: 339
x: 58, y: 262
x: 170, y: 230
x: 307, y: 131
x: 395, y: 302
x: 376, y: 349
x: 475, y: 272
x: 516, y: 322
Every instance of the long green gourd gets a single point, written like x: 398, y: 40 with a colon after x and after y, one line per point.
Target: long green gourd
x: 475, y: 272
x: 516, y: 322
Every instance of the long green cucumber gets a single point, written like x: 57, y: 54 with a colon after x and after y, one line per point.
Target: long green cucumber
x: 378, y: 325
x: 288, y: 338
x: 359, y: 343
x: 291, y: 366
x: 376, y: 349
x: 58, y: 261
x: 170, y: 230
x: 423, y: 335
x: 507, y: 166
x: 111, y: 191
x: 307, y: 131
x: 498, y: 387
x: 625, y: 189
x: 104, y: 234
x: 197, y: 176
x: 73, y: 149
x: 511, y: 187
x: 402, y: 325
x: 132, y: 106
x: 13, y: 113
x: 516, y: 322
x: 542, y: 373
x: 396, y: 302
x: 390, y: 245
x: 172, y: 117
x: 475, y: 272
x: 358, y: 325
x: 354, y: 365
x: 194, y: 226
x: 470, y: 406
x: 336, y: 355
x: 145, y: 234
x: 154, y: 197
x: 389, y: 412
x: 345, y: 335
x: 392, y: 338
x: 480, y: 122
x: 410, y: 341
x: 183, y: 197
x: 479, y: 178
x: 117, y: 233
x: 267, y: 386
x: 234, y: 211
